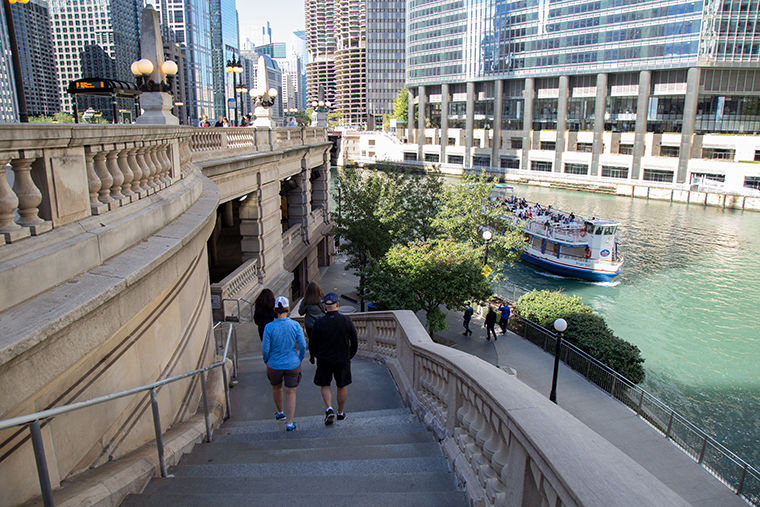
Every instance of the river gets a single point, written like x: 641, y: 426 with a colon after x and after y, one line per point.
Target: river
x: 688, y: 297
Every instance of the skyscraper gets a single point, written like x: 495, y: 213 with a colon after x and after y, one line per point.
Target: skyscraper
x: 320, y: 43
x: 225, y: 46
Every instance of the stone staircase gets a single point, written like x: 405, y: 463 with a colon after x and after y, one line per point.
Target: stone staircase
x: 381, y: 454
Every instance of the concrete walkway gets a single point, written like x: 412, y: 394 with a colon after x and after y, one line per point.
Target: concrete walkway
x: 583, y: 399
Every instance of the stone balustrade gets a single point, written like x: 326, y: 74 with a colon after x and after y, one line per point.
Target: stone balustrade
x: 508, y: 444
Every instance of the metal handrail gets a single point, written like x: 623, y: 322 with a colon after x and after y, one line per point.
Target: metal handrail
x: 718, y: 460
x: 33, y: 420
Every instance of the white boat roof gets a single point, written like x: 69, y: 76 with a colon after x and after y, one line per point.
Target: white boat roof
x: 601, y: 221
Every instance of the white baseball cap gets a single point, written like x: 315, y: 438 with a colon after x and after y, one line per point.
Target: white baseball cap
x: 281, y: 302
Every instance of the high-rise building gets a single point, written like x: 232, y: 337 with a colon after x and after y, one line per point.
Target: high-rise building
x: 298, y: 51
x: 8, y: 105
x: 606, y: 89
x: 190, y: 21
x: 42, y: 92
x: 386, y: 43
x: 320, y: 43
x: 225, y: 46
x: 94, y: 38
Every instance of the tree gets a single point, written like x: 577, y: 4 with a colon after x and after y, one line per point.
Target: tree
x: 467, y: 209
x: 401, y: 105
x: 426, y: 276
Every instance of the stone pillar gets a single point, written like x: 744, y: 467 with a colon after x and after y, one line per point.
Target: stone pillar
x: 498, y: 106
x: 260, y: 214
x: 228, y: 214
x: 320, y: 184
x: 298, y: 201
x: 528, y: 94
x: 444, y: 120
x: 469, y: 123
x: 559, y: 146
x: 600, y: 109
x: 689, y: 118
x: 422, y: 94
x: 645, y: 84
x: 410, y: 119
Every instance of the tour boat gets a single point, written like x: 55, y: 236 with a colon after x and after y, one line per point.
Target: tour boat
x: 567, y: 245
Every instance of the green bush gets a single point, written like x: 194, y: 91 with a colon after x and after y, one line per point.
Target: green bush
x: 585, y: 329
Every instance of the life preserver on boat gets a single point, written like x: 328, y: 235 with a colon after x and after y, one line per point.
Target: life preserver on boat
x: 583, y: 233
x: 588, y: 253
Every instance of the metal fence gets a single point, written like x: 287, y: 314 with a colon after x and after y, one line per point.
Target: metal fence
x: 224, y: 346
x: 730, y: 469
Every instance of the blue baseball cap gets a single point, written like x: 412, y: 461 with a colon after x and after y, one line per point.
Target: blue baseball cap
x: 331, y: 298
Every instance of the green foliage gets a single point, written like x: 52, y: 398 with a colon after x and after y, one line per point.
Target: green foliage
x: 426, y: 275
x: 585, y: 329
x: 401, y: 105
x: 467, y: 209
x: 333, y: 118
x: 56, y: 118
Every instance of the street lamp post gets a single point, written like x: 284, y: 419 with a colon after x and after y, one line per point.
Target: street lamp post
x: 487, y: 235
x: 241, y: 90
x: 263, y: 103
x: 233, y: 67
x: 560, y: 325
x: 15, y: 60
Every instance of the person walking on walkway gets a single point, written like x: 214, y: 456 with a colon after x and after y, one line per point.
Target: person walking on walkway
x: 263, y: 311
x: 283, y: 348
x: 313, y: 308
x: 468, y: 311
x: 504, y: 309
x: 490, y: 323
x: 333, y: 342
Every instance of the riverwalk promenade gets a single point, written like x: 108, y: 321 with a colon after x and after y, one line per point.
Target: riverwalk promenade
x: 605, y: 415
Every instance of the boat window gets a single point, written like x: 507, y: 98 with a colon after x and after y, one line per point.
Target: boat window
x: 589, y: 228
x: 598, y: 231
x: 606, y: 231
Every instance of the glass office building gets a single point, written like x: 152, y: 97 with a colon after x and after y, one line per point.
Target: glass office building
x: 620, y: 89
x: 225, y: 46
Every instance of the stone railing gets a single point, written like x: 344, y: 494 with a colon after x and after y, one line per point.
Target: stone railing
x: 508, y: 444
x: 53, y: 175
x: 236, y: 285
x: 291, y: 239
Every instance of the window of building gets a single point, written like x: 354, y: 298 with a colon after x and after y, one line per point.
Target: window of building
x: 699, y: 177
x: 410, y: 155
x: 452, y: 141
x: 576, y: 169
x: 510, y: 163
x: 548, y: 145
x: 584, y: 147
x: 371, y: 142
x: 718, y: 153
x: 658, y: 175
x: 456, y: 159
x: 481, y: 161
x: 752, y: 182
x: 516, y: 143
x: 538, y: 165
x: 431, y: 157
x: 625, y: 149
x: 428, y: 140
x: 670, y: 151
x: 614, y: 172
x: 757, y: 155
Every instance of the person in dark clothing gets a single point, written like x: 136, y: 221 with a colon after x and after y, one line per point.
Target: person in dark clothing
x: 333, y: 342
x: 312, y: 307
x: 504, y: 309
x: 263, y: 311
x: 468, y: 311
x: 490, y: 323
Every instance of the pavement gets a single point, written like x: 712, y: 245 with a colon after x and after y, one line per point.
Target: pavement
x: 591, y: 405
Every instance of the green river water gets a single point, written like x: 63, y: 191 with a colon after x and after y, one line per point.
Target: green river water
x: 688, y: 297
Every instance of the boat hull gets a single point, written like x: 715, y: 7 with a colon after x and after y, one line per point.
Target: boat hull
x: 570, y: 271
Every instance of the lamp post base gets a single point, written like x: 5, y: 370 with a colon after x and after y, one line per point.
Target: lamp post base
x: 319, y: 119
x: 157, y: 109
x: 263, y: 117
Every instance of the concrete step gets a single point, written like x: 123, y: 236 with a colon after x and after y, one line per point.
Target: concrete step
x: 375, y: 416
x: 423, y: 499
x: 372, y: 483
x: 326, y: 439
x: 237, y: 453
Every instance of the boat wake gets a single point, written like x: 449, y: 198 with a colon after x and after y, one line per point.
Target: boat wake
x: 607, y: 284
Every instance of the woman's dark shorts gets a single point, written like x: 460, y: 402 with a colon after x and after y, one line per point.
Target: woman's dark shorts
x: 292, y: 377
x: 327, y: 371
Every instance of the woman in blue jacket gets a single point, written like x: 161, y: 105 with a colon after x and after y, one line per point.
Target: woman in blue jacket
x: 283, y: 349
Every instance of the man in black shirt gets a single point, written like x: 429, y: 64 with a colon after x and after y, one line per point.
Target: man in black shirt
x: 333, y: 343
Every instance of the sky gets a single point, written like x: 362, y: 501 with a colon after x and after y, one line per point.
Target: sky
x: 285, y: 17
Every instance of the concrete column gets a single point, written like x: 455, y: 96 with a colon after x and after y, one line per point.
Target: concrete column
x: 410, y: 118
x: 689, y: 118
x: 498, y: 106
x: 228, y: 214
x: 645, y: 83
x: 528, y: 93
x: 600, y: 109
x: 422, y: 94
x: 469, y: 123
x: 444, y: 121
x: 320, y: 179
x: 559, y: 146
x: 298, y: 201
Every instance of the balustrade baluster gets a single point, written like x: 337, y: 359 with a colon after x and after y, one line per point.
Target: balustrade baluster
x: 116, y: 175
x: 106, y: 180
x: 9, y: 229
x: 160, y: 164
x: 129, y: 176
x: 29, y: 196
x: 144, y: 170
x: 163, y: 154
x: 151, y: 161
x: 134, y: 165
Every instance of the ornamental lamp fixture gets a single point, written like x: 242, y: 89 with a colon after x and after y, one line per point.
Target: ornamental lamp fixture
x: 560, y: 325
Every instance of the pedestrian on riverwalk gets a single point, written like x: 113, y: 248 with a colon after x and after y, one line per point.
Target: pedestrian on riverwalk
x: 313, y: 308
x: 490, y: 323
x: 334, y: 343
x: 468, y: 311
x: 283, y: 349
x: 504, y: 309
x: 263, y: 310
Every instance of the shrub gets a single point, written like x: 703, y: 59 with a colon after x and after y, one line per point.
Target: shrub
x: 585, y: 329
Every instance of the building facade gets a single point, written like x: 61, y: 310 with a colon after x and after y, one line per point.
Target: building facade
x: 225, y: 46
x: 8, y: 104
x: 642, y: 91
